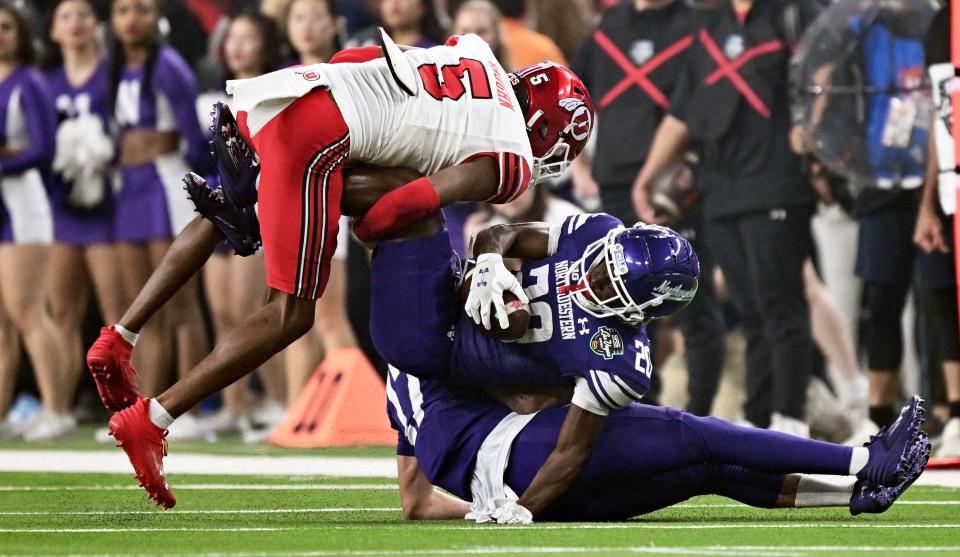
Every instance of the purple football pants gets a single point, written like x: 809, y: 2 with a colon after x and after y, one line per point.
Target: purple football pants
x: 648, y: 458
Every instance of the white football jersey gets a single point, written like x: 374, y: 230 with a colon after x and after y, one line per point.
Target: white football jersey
x: 464, y: 107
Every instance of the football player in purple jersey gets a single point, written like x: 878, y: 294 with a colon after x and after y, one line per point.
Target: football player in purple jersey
x: 592, y: 285
x: 646, y: 458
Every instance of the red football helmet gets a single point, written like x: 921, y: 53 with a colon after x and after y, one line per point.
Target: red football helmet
x: 559, y: 114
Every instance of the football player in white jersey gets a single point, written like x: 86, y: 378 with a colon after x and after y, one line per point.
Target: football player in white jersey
x: 450, y: 113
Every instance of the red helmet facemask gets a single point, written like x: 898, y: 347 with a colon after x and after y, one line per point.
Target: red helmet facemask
x: 559, y: 115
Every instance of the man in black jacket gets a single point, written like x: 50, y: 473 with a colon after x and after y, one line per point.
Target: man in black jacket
x: 733, y: 100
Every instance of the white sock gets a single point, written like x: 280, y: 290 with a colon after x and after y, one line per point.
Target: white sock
x: 159, y: 416
x: 127, y: 335
x: 824, y: 491
x: 858, y: 460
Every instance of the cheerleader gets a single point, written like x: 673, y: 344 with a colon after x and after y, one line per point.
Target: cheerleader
x: 83, y: 253
x: 27, y: 129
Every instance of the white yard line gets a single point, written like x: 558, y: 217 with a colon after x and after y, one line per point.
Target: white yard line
x: 742, y: 506
x: 116, y: 530
x: 501, y: 529
x: 347, y: 510
x: 723, y: 550
x: 175, y: 512
x: 190, y: 463
x: 232, y: 465
x: 210, y: 487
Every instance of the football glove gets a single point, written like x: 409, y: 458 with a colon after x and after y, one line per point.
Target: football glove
x: 512, y: 513
x: 237, y: 162
x: 239, y: 225
x: 490, y: 279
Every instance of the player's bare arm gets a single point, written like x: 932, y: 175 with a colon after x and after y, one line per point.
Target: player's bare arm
x: 928, y: 234
x: 669, y: 140
x: 420, y: 500
x: 580, y: 430
x: 529, y: 240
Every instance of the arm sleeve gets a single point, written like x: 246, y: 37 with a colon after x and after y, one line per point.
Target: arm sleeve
x: 177, y: 83
x: 553, y: 240
x: 600, y: 392
x: 584, y: 397
x: 682, y: 88
x: 41, y: 123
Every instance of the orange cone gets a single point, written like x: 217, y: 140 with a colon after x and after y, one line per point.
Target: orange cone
x: 343, y: 404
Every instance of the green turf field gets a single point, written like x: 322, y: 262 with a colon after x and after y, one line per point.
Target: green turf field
x: 104, y: 514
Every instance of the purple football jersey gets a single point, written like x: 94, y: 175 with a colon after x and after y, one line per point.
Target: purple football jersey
x: 563, y: 343
x: 442, y: 425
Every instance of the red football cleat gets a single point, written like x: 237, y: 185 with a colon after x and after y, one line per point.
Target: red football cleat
x: 145, y: 445
x: 109, y: 363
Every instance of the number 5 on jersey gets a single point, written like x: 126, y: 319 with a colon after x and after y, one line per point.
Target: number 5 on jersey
x: 447, y: 82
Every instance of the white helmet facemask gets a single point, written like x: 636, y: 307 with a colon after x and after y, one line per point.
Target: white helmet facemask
x: 620, y: 304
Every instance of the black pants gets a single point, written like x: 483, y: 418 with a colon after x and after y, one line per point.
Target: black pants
x: 702, y: 321
x: 762, y: 255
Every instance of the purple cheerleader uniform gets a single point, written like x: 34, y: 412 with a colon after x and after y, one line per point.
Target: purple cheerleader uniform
x: 151, y: 203
x: 27, y: 125
x: 73, y: 225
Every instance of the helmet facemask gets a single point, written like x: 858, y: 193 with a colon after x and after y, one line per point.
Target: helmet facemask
x: 552, y: 164
x: 608, y: 253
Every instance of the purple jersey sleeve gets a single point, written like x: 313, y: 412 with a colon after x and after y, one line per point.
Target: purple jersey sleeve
x: 41, y: 122
x: 618, y: 369
x: 582, y: 230
x: 174, y: 79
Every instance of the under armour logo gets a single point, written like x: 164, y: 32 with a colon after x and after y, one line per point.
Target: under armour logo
x: 483, y: 278
x: 778, y: 214
x: 583, y: 326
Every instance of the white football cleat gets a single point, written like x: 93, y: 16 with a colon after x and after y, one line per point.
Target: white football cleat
x: 791, y: 426
x: 188, y: 428
x: 10, y: 429
x: 950, y: 440
x: 862, y: 434
x: 50, y: 426
x: 268, y: 413
x: 225, y: 421
x: 825, y: 414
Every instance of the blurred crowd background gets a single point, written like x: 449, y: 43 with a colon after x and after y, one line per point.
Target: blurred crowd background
x: 817, y: 312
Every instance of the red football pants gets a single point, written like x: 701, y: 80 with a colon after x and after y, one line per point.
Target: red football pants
x: 302, y: 154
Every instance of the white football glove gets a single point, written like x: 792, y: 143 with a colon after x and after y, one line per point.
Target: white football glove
x: 490, y: 279
x: 512, y: 513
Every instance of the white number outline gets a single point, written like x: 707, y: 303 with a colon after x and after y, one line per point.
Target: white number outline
x: 643, y: 363
x: 539, y: 308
